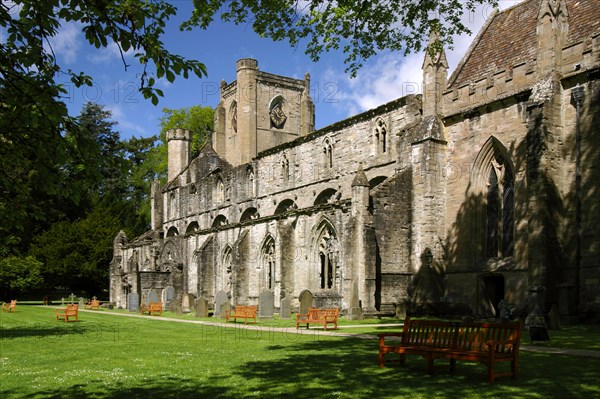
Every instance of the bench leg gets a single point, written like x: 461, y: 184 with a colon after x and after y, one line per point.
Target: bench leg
x: 452, y: 364
x: 381, y: 359
x: 429, y: 360
x: 513, y: 367
x: 402, y: 359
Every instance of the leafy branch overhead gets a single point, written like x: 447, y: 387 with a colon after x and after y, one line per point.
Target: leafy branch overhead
x: 359, y: 28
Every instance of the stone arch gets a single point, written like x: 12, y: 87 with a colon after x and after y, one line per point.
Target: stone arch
x: 492, y: 181
x: 170, y: 256
x: 172, y: 232
x: 249, y: 214
x: 326, y: 196
x: 285, y: 206
x: 192, y: 228
x: 220, y: 220
x: 374, y: 182
x: 325, y: 269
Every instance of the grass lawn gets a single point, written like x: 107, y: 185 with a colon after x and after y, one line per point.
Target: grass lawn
x: 111, y: 356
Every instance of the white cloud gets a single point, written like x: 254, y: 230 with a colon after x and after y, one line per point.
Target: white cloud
x: 124, y: 125
x: 108, y: 54
x: 391, y: 75
x: 67, y: 42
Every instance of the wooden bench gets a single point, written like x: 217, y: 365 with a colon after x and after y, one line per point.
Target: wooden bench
x: 10, y: 307
x: 318, y: 316
x: 72, y: 311
x: 93, y: 304
x: 152, y: 308
x: 242, y: 312
x: 487, y: 343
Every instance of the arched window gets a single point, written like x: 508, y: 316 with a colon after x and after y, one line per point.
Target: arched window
x: 268, y: 263
x: 233, y: 115
x: 328, y: 153
x: 500, y: 218
x: 494, y: 180
x: 327, y: 256
x: 285, y: 167
x: 219, y: 191
x: 380, y: 137
x: 251, y: 188
x: 227, y: 271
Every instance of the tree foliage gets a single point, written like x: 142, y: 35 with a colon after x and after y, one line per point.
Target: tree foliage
x: 197, y: 119
x: 19, y: 274
x: 359, y: 28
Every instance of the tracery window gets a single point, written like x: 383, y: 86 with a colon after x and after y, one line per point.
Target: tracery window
x: 499, y: 214
x: 219, y: 191
x: 380, y: 137
x: 328, y: 153
x: 268, y: 263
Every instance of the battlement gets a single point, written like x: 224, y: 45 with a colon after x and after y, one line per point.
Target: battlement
x: 577, y: 57
x: 179, y: 134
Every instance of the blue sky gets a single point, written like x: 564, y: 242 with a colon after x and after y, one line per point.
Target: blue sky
x: 385, y: 77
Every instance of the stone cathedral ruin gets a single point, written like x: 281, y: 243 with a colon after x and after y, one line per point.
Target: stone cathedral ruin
x: 484, y: 188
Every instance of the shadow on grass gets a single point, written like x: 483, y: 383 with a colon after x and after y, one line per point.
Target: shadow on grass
x: 170, y: 387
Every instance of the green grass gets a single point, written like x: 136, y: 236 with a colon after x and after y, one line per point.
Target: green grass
x: 111, y: 356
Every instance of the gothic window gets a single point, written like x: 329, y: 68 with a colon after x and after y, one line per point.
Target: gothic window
x: 251, y: 185
x: 499, y: 212
x: 227, y: 270
x: 219, y: 191
x: 380, y: 137
x: 233, y: 115
x: 328, y: 153
x: 172, y: 205
x: 328, y: 255
x: 268, y: 263
x: 276, y: 113
x: 285, y: 167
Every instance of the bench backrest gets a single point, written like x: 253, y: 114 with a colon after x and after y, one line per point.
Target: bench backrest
x: 155, y: 306
x: 246, y: 310
x: 72, y: 309
x: 13, y: 303
x: 95, y: 303
x: 467, y: 336
x: 320, y: 314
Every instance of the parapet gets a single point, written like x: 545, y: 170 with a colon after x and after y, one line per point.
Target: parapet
x: 179, y: 134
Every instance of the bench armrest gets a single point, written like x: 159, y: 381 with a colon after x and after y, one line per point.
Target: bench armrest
x: 301, y: 316
x: 383, y: 335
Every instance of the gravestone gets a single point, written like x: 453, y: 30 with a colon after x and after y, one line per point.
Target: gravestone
x: 202, y: 307
x: 152, y: 296
x: 169, y: 294
x: 220, y: 299
x: 223, y: 309
x: 81, y: 303
x: 285, y: 312
x: 187, y: 302
x: 266, y: 304
x: 306, y: 300
x: 133, y: 302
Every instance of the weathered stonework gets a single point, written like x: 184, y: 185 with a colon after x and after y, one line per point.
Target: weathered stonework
x: 450, y: 201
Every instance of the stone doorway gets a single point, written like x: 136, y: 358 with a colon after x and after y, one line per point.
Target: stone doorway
x: 491, y: 293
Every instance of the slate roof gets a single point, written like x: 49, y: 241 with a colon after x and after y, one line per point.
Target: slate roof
x: 509, y: 38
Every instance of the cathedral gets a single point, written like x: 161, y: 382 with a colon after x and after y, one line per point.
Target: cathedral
x: 484, y: 188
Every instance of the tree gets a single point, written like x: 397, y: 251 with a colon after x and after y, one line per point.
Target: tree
x: 359, y: 28
x: 197, y: 119
x: 18, y: 274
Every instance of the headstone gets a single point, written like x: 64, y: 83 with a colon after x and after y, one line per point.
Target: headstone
x: 186, y: 302
x: 266, y: 304
x: 285, y: 312
x: 152, y: 296
x: 169, y: 294
x: 223, y: 309
x: 553, y: 318
x: 220, y: 298
x: 72, y: 298
x: 202, y: 307
x: 81, y: 303
x: 62, y: 301
x: 133, y: 302
x: 306, y: 300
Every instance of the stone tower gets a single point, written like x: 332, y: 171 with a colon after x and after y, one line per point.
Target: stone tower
x: 178, y: 142
x: 259, y: 111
